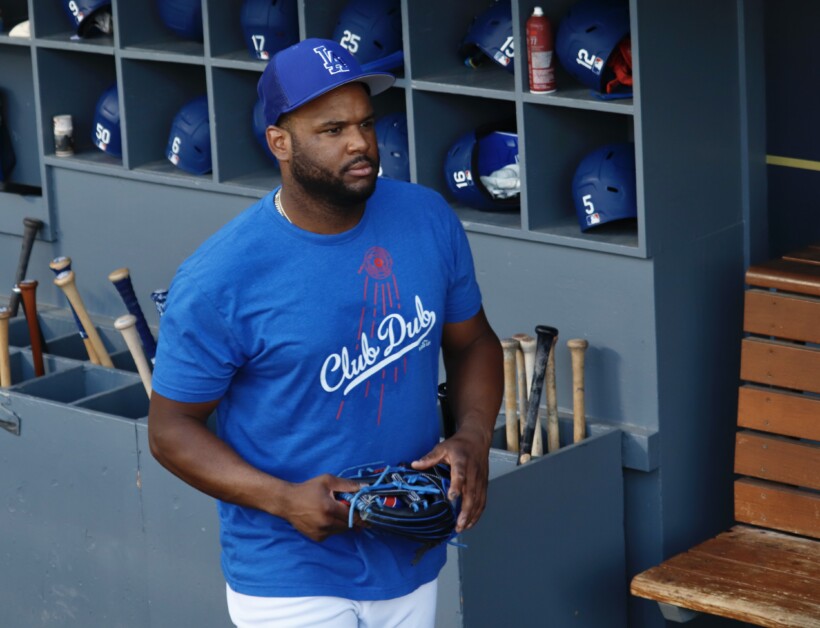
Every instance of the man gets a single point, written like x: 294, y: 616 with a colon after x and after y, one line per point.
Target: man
x: 313, y: 322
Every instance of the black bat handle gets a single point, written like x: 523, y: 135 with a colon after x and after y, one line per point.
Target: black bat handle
x: 545, y: 337
x: 32, y: 226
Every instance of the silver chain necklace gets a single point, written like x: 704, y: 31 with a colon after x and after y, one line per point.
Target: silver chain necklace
x: 277, y: 201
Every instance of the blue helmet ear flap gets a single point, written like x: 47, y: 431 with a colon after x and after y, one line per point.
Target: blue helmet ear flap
x: 189, y: 143
x: 604, y: 187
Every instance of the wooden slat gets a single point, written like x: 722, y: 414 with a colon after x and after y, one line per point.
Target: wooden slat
x: 777, y: 459
x: 808, y: 255
x: 779, y: 412
x: 775, y: 314
x: 788, y: 554
x: 729, y: 576
x: 777, y: 507
x: 780, y: 364
x: 788, y: 275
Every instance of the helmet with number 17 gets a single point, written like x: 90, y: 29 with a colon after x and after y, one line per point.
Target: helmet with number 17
x: 269, y: 26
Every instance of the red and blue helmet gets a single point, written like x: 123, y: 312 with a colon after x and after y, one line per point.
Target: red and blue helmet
x: 604, y: 188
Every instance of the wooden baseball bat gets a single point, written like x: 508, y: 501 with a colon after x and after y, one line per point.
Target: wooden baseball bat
x: 65, y: 280
x: 31, y: 227
x: 553, y: 432
x: 127, y: 325
x: 5, y: 363
x: 28, y: 291
x: 578, y: 347
x: 121, y: 278
x: 59, y: 265
x: 528, y: 346
x: 545, y: 337
x: 509, y: 347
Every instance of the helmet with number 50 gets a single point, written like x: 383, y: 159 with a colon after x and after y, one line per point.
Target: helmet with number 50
x: 189, y: 143
x: 106, y: 133
x: 269, y: 26
x: 370, y: 30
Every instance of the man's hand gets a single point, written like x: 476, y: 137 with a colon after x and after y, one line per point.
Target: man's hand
x: 467, y: 453
x: 311, y: 507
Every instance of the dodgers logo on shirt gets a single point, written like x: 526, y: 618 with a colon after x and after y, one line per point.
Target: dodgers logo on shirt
x: 332, y: 63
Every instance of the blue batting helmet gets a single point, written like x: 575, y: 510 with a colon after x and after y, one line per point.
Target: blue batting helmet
x: 604, y: 187
x: 184, y: 17
x: 83, y: 13
x: 269, y: 26
x: 391, y: 134
x: 491, y: 35
x: 189, y: 143
x: 371, y: 31
x: 106, y: 133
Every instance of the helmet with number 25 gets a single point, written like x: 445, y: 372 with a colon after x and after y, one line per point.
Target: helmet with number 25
x: 370, y: 30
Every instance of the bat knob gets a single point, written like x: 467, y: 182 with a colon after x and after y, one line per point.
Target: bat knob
x: 125, y: 321
x: 33, y: 223
x: 117, y: 275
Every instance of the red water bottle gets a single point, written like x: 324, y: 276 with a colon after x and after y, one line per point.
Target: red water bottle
x: 539, y: 53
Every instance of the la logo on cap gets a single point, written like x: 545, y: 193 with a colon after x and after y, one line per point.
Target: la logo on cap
x: 332, y: 63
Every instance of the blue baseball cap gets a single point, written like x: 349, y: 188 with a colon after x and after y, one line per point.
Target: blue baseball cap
x: 303, y: 72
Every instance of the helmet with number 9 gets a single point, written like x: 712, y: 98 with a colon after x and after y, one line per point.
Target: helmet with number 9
x: 370, y: 30
x: 587, y: 37
x: 86, y: 14
x: 491, y: 35
x: 184, y: 17
x: 604, y: 187
x: 106, y: 133
x: 476, y: 154
x: 391, y: 134
x: 189, y: 143
x: 269, y: 26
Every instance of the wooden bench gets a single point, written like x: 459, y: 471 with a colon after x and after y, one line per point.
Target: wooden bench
x: 766, y: 569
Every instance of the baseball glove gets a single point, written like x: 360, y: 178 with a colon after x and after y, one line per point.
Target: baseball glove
x: 399, y: 500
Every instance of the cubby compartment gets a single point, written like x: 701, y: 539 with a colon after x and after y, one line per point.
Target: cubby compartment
x: 242, y: 160
x: 11, y: 14
x: 142, y: 28
x: 436, y: 31
x: 19, y: 119
x: 74, y: 384
x: 52, y: 23
x: 22, y: 365
x: 129, y: 401
x: 53, y: 329
x: 557, y: 139
x: 440, y: 119
x: 72, y: 83
x: 154, y: 93
x: 225, y: 35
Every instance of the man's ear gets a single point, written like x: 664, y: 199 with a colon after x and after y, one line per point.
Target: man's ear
x: 278, y: 142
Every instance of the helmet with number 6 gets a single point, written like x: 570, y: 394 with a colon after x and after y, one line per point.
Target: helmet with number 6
x: 604, y: 187
x: 88, y: 14
x: 480, y: 153
x: 189, y: 143
x: 370, y: 30
x: 106, y: 133
x: 588, y: 36
x: 269, y: 26
x: 391, y: 134
x: 491, y: 35
x: 184, y: 17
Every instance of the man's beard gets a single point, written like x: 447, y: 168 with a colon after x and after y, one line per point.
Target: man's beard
x: 328, y: 186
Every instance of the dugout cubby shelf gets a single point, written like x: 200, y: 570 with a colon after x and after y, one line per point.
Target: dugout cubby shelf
x: 157, y: 70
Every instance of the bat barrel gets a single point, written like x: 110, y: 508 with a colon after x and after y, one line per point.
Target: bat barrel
x: 28, y: 292
x: 5, y: 364
x: 545, y: 337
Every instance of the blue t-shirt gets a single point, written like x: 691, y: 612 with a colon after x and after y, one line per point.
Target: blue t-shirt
x: 324, y: 351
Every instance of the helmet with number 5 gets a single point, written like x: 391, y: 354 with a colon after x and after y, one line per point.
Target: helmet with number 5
x: 106, y: 133
x: 480, y: 153
x: 491, y: 35
x: 269, y: 26
x: 604, y: 187
x: 88, y: 14
x: 189, y: 143
x: 370, y: 30
x: 184, y: 17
